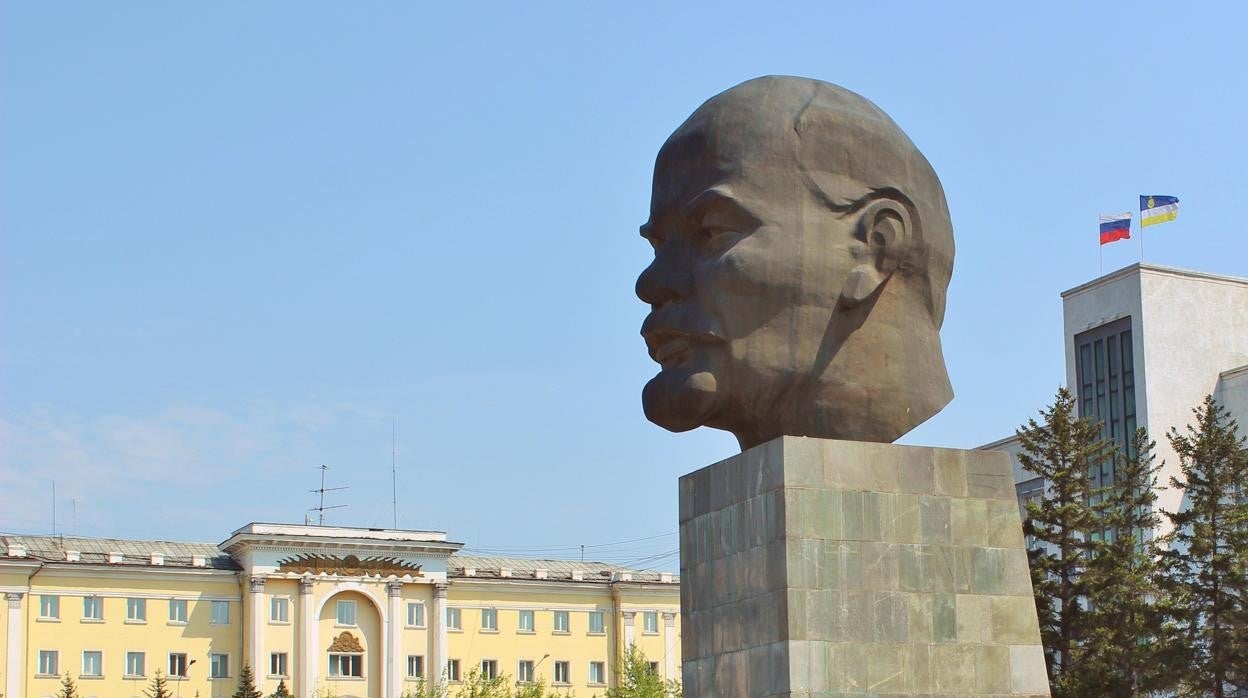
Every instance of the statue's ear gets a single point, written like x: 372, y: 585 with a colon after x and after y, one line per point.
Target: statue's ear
x: 883, y: 233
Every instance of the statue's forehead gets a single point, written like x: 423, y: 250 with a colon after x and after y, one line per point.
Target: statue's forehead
x: 719, y: 143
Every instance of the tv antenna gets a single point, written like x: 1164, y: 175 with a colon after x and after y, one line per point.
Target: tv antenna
x: 394, y: 477
x: 320, y: 508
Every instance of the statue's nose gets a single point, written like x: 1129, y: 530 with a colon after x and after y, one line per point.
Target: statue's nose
x: 666, y: 280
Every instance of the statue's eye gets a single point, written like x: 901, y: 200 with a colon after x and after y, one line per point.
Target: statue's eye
x: 714, y: 235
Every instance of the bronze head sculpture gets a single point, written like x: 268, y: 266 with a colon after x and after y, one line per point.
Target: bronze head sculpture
x: 802, y: 251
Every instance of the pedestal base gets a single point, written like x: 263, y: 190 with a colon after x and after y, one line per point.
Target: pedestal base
x: 812, y: 567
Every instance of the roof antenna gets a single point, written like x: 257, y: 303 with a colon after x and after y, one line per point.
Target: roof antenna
x: 54, y: 508
x: 394, y: 477
x: 320, y: 508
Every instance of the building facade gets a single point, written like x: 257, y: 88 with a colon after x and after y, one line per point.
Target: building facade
x: 328, y: 610
x: 1144, y: 345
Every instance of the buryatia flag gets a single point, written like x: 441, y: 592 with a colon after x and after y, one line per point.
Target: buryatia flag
x: 1158, y: 209
x: 1115, y: 227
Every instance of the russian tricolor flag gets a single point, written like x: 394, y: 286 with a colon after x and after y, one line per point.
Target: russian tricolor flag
x: 1115, y: 227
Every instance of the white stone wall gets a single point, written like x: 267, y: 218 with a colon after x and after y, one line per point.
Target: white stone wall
x: 1188, y: 327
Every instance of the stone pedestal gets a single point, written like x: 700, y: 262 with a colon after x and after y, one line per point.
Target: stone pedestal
x: 813, y: 567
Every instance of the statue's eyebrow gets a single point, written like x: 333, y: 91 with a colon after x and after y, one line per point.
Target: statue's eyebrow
x: 717, y: 196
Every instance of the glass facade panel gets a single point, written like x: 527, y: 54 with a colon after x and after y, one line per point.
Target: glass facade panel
x: 1106, y: 380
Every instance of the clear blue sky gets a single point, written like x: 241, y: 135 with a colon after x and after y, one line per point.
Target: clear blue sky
x: 238, y: 239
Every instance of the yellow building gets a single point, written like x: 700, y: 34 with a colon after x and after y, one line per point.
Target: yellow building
x: 329, y: 610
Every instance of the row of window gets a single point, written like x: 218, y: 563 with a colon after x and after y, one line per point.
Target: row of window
x: 341, y: 665
x: 526, y: 670
x: 346, y: 615
x: 136, y: 610
x: 489, y: 620
x: 136, y: 664
x: 279, y: 612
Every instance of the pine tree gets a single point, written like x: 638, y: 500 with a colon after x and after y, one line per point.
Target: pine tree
x: 1062, y: 450
x: 282, y: 691
x: 638, y: 680
x: 247, y: 684
x: 1207, y: 553
x: 159, y: 687
x: 1125, y: 622
x: 68, y: 689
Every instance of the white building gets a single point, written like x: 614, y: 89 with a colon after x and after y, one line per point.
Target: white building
x: 1144, y: 345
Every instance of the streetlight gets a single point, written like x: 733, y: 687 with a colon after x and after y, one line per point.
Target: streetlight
x: 535, y: 666
x: 186, y: 670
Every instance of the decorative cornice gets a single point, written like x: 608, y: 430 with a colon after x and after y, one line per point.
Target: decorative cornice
x: 346, y: 642
x: 348, y: 566
x: 79, y: 569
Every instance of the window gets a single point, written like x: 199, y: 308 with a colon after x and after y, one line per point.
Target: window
x: 562, y: 672
x: 489, y: 619
x: 279, y: 610
x: 561, y: 621
x: 524, y: 671
x: 136, y: 664
x: 453, y: 621
x: 346, y: 613
x: 92, y: 608
x: 218, y: 666
x: 596, y: 623
x: 1105, y: 374
x: 351, y: 665
x: 177, y: 664
x: 654, y: 668
x: 136, y: 610
x: 650, y: 622
x: 277, y: 664
x: 49, y: 663
x: 452, y: 670
x: 416, y: 615
x: 92, y: 663
x: 177, y: 610
x: 597, y: 672
x: 220, y: 613
x: 415, y: 666
x: 489, y: 669
x: 526, y: 622
x: 49, y: 607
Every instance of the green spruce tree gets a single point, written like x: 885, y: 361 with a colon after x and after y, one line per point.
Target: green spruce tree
x: 68, y: 689
x: 1124, y: 639
x: 1207, y: 554
x: 1062, y: 449
x: 282, y: 691
x: 159, y: 687
x: 247, y: 684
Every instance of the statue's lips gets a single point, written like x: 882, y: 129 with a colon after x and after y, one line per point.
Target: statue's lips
x: 669, y: 345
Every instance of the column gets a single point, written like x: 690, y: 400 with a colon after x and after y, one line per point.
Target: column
x: 437, y: 635
x: 15, y: 642
x: 255, y: 629
x: 394, y: 639
x: 630, y: 628
x: 669, y: 645
x: 307, y: 650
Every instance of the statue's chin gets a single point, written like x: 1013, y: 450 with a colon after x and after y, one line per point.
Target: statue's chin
x: 680, y: 399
